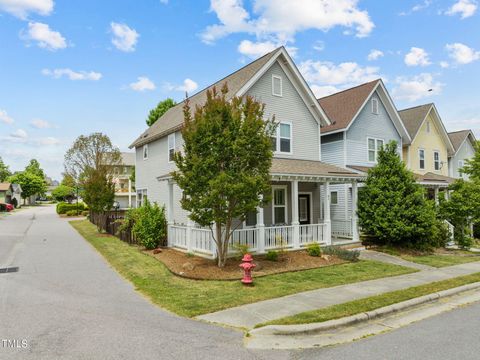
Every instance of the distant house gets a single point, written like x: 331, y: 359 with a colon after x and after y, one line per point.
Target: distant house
x: 17, y: 195
x: 124, y: 188
x: 6, y: 192
x: 464, y: 145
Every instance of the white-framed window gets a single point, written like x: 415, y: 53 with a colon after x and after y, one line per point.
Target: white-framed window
x: 374, y: 145
x: 375, y: 106
x: 428, y: 126
x: 141, y: 197
x: 282, y: 142
x: 279, y: 206
x: 421, y: 158
x: 436, y: 160
x: 171, y: 147
x: 145, y: 152
x: 277, y: 89
x: 333, y: 197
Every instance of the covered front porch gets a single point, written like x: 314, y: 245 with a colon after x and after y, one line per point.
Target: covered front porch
x: 298, y: 214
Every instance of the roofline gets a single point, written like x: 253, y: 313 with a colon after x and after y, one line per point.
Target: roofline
x: 344, y: 90
x: 470, y: 133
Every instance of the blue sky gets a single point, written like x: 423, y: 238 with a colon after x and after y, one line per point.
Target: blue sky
x: 75, y: 67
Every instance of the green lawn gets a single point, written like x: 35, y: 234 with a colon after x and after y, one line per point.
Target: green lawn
x: 373, y: 302
x: 453, y: 257
x: 193, y: 297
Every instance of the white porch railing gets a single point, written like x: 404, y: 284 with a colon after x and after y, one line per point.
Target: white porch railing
x: 342, y: 228
x: 200, y: 240
x: 312, y: 233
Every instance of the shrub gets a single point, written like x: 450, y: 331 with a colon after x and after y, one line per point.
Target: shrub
x: 349, y: 255
x: 71, y: 213
x: 314, y: 249
x: 85, y: 213
x: 241, y: 250
x: 63, y: 207
x: 271, y: 255
x: 148, y: 223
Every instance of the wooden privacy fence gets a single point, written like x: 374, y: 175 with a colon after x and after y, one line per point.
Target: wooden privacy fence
x: 110, y: 222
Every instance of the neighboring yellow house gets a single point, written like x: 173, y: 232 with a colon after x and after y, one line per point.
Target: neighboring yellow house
x: 427, y: 155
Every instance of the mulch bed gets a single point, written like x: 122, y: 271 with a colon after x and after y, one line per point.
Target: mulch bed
x: 194, y: 267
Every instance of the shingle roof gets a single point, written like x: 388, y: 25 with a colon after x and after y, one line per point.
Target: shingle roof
x: 413, y: 117
x: 128, y: 158
x: 309, y: 167
x: 172, y: 120
x: 433, y: 178
x: 4, y: 186
x: 458, y: 137
x: 363, y: 169
x: 342, y: 107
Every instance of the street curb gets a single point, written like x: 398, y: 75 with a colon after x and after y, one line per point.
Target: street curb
x: 314, y: 328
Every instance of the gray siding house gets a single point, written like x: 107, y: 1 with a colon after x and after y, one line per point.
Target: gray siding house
x: 363, y: 119
x: 298, y: 175
x: 464, y: 144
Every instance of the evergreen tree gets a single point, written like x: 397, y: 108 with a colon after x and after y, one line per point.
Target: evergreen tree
x: 392, y: 207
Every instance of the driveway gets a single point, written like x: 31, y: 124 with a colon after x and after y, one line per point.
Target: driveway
x: 68, y: 303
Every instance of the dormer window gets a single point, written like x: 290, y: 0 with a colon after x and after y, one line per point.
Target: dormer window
x: 375, y: 106
x: 145, y: 152
x: 277, y: 85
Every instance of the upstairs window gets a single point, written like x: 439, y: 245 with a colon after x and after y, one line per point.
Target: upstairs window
x: 171, y: 147
x: 282, y: 142
x: 374, y: 146
x: 277, y: 85
x: 375, y: 106
x: 145, y: 152
x: 421, y: 157
x: 436, y: 160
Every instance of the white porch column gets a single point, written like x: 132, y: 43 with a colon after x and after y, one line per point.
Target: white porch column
x: 260, y: 231
x: 189, y: 236
x: 295, y: 222
x: 129, y: 193
x: 170, y: 212
x: 326, y: 214
x: 355, y: 235
x: 435, y: 189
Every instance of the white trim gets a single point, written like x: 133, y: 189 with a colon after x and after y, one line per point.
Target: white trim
x: 273, y: 85
x: 331, y: 202
x: 439, y: 161
x: 145, y: 146
x: 284, y: 187
x: 311, y: 204
x: 377, y: 110
x: 419, y: 159
x: 137, y: 197
x: 278, y: 138
x: 172, y: 135
x: 375, y: 140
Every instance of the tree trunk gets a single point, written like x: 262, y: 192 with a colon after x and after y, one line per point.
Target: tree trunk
x: 221, y: 259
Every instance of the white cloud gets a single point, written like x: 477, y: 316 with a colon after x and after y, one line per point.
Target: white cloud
x: 375, y: 55
x: 462, y: 54
x: 444, y: 64
x: 417, y: 57
x: 142, y: 84
x: 19, y: 134
x: 40, y: 124
x: 280, y: 21
x: 5, y: 118
x: 72, y: 75
x: 416, y: 87
x: 45, y: 37
x: 321, y: 91
x: 188, y: 86
x: 124, y: 37
x: 464, y: 8
x: 48, y: 141
x: 255, y: 49
x: 325, y: 72
x: 417, y: 7
x: 21, y: 8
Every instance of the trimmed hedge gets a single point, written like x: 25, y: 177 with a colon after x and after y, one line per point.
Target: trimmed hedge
x: 63, y: 207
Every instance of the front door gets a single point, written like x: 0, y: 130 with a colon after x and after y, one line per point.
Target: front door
x: 304, y: 209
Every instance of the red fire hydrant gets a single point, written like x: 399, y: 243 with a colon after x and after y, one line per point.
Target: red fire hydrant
x: 247, y: 267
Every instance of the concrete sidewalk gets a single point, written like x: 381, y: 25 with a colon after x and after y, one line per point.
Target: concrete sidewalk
x: 395, y: 260
x: 247, y: 316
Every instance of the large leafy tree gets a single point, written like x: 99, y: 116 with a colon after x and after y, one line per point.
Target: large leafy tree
x: 392, y: 207
x: 4, y: 171
x: 472, y: 166
x: 161, y: 108
x: 63, y: 193
x: 35, y: 168
x: 462, y: 209
x: 224, y: 167
x: 98, y: 190
x: 31, y: 183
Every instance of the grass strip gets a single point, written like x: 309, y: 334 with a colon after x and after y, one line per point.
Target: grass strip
x: 195, y: 297
x: 373, y: 302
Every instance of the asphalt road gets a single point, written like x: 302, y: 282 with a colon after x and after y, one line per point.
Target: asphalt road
x: 65, y: 302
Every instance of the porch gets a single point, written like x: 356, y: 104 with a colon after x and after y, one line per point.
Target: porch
x: 299, y: 213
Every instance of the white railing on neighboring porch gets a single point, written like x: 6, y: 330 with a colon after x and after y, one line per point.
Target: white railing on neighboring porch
x: 342, y: 228
x: 260, y: 239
